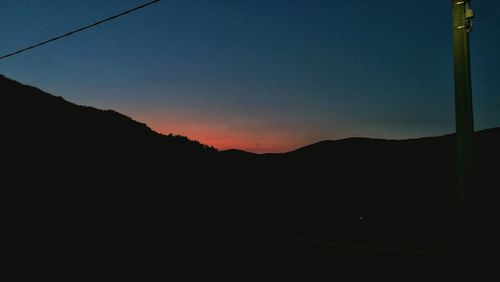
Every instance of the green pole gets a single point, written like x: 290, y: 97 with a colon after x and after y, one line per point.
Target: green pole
x: 463, y: 118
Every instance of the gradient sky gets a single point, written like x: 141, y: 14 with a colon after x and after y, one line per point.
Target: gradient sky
x: 263, y: 76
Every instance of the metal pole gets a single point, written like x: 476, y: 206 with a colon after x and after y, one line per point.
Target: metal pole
x: 463, y: 118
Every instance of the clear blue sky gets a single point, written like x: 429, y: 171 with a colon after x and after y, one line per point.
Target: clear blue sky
x: 260, y: 75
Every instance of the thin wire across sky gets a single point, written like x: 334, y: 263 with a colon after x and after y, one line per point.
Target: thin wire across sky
x: 78, y: 30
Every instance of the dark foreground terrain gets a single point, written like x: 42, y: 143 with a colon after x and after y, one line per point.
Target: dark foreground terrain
x: 112, y: 244
x: 88, y: 190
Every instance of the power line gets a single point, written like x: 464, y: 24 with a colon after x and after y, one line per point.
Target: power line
x: 79, y: 29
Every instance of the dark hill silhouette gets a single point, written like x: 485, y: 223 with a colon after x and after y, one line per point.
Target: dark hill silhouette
x: 63, y: 160
x: 35, y: 111
x: 53, y: 145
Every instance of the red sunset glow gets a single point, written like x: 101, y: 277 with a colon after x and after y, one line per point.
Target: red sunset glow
x: 223, y: 137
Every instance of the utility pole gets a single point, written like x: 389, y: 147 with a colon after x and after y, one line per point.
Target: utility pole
x: 462, y: 23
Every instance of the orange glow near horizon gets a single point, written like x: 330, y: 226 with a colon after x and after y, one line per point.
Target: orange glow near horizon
x: 223, y: 137
x: 222, y: 140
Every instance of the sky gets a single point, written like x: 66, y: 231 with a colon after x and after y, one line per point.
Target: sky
x: 259, y: 75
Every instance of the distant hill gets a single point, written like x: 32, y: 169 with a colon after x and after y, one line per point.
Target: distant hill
x: 60, y: 154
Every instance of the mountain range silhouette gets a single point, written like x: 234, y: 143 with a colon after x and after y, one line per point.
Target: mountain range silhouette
x: 71, y: 172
